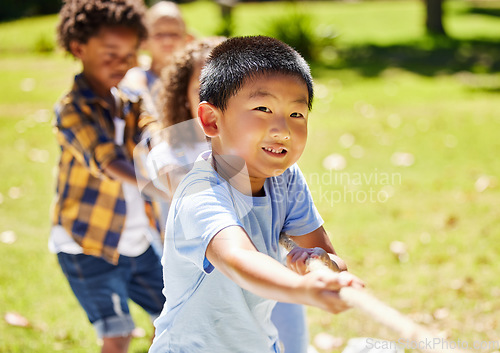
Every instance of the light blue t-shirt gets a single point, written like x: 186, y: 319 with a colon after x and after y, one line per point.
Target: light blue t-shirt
x: 205, y: 311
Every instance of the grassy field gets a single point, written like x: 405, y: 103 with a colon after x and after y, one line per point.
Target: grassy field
x: 409, y: 125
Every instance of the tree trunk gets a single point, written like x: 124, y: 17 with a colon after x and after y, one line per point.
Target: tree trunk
x: 226, y: 7
x: 434, y: 17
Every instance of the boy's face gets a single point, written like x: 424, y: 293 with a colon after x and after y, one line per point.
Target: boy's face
x: 107, y: 57
x: 165, y: 36
x: 265, y: 124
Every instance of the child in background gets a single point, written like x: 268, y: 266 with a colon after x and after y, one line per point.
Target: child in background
x: 170, y: 150
x: 166, y: 34
x: 221, y: 260
x: 101, y: 226
x: 182, y: 141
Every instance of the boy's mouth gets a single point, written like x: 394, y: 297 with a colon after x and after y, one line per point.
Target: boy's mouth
x: 277, y: 151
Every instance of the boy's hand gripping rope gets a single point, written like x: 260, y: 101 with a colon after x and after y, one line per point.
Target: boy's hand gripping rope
x: 377, y: 310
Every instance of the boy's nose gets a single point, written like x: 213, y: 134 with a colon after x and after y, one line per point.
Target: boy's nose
x: 126, y: 61
x: 279, y: 128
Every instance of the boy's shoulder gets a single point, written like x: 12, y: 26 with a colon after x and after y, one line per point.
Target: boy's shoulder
x: 291, y: 175
x: 203, y: 172
x: 201, y: 177
x: 80, y: 92
x: 79, y: 98
x: 76, y: 99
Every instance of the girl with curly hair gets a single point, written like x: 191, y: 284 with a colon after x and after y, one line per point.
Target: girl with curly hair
x: 180, y: 140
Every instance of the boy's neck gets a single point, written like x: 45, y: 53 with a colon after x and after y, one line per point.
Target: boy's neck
x: 97, y: 88
x: 233, y: 169
x: 157, y: 67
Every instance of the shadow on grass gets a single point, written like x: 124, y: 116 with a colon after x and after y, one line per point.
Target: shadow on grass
x: 429, y: 57
x: 485, y: 11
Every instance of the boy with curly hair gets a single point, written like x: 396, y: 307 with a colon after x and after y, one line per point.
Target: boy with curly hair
x: 102, y: 228
x: 221, y: 255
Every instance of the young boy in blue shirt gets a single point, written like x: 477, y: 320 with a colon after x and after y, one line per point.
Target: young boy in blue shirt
x: 102, y: 228
x: 221, y: 257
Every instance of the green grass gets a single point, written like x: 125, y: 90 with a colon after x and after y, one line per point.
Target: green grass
x: 387, y: 85
x: 27, y: 35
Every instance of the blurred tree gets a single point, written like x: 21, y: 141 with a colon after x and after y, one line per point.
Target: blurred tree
x: 226, y: 9
x: 11, y: 9
x: 434, y: 17
x: 297, y: 28
x: 150, y: 3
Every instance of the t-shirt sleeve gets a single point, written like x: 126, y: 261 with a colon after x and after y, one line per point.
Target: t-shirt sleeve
x: 302, y: 217
x: 202, y: 210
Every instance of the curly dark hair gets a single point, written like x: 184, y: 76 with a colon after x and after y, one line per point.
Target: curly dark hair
x: 82, y: 19
x: 172, y: 88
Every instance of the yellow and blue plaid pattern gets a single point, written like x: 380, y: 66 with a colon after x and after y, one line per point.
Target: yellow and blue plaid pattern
x: 88, y: 204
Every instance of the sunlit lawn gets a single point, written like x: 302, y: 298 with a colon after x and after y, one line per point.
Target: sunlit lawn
x: 416, y: 147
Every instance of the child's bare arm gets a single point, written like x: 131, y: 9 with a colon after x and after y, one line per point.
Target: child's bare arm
x: 232, y: 253
x: 317, y: 238
x: 123, y: 171
x: 315, y: 244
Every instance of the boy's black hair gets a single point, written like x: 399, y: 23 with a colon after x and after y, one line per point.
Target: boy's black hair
x: 82, y: 19
x: 238, y: 59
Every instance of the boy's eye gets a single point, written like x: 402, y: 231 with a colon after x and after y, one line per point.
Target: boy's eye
x: 296, y: 115
x: 263, y: 109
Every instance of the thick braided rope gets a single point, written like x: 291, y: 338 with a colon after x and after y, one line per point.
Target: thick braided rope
x: 376, y: 309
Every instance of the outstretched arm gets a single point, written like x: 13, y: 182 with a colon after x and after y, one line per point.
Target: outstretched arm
x: 123, y: 171
x: 232, y: 252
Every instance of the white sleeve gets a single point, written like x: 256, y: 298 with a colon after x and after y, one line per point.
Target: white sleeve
x: 159, y: 157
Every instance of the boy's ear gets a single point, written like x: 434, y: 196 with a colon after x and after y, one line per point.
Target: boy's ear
x: 76, y: 48
x: 208, y: 115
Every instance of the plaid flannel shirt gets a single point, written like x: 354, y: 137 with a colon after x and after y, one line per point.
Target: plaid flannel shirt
x: 89, y: 204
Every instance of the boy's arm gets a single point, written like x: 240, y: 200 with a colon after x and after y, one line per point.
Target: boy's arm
x: 121, y: 170
x: 84, y: 139
x: 92, y: 147
x: 124, y: 171
x: 316, y: 244
x: 319, y: 238
x: 232, y: 252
